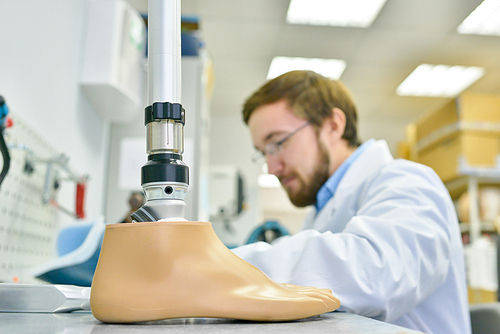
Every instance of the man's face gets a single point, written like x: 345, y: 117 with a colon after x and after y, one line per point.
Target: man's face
x: 303, y: 164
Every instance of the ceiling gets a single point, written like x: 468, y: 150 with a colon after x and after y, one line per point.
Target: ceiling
x: 242, y: 37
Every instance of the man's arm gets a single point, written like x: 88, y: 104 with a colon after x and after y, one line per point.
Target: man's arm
x: 391, y: 256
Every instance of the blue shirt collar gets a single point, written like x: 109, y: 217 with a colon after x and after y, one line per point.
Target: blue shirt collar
x: 328, y: 189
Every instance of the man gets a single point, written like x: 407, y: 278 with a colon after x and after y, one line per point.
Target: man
x: 383, y: 234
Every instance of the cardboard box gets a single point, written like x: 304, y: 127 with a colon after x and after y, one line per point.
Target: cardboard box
x: 480, y: 296
x: 467, y: 127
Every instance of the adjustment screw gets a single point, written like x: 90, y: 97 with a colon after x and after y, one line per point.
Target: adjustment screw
x: 169, y: 190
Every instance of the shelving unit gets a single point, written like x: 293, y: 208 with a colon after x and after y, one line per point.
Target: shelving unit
x: 460, y: 141
x: 469, y: 180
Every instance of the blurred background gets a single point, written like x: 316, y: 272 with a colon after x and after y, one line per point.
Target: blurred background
x: 73, y: 74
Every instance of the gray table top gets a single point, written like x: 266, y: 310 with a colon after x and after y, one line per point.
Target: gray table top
x: 84, y: 322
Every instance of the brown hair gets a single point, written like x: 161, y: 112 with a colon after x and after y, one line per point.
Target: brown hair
x: 311, y: 96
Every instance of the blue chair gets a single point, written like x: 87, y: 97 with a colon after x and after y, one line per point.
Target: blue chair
x: 78, y: 250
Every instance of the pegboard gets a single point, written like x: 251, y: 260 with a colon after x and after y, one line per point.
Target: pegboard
x: 28, y: 227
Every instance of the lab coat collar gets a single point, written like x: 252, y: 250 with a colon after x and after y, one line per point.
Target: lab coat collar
x: 328, y: 189
x: 370, y: 161
x: 376, y: 156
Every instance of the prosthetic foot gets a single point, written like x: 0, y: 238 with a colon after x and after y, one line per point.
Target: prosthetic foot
x: 161, y: 270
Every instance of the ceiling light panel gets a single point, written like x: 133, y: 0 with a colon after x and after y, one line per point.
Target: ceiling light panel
x: 484, y: 20
x: 331, y: 68
x: 342, y: 13
x: 439, y: 80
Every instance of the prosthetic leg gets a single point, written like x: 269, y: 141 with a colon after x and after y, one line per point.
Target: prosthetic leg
x: 162, y: 266
x: 155, y: 270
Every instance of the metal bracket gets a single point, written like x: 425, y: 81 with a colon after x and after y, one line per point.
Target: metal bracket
x: 53, y: 178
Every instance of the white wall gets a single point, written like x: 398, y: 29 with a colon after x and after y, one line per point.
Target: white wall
x: 393, y: 132
x: 231, y: 144
x: 40, y: 62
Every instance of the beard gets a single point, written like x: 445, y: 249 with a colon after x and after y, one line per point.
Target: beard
x: 306, y: 195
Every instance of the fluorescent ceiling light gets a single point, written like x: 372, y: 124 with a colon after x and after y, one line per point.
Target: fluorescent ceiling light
x: 484, y: 20
x: 343, y: 13
x: 439, y: 80
x: 331, y: 68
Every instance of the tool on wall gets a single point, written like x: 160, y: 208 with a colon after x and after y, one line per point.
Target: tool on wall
x: 164, y: 177
x: 53, y: 178
x: 4, y: 122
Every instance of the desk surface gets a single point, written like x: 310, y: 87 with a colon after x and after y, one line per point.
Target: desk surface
x: 84, y: 322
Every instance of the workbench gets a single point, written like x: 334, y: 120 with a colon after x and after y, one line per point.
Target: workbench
x: 84, y: 322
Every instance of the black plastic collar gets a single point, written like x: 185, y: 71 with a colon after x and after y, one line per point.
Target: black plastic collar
x: 165, y: 110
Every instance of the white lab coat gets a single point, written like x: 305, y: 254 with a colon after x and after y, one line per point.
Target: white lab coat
x: 388, y: 245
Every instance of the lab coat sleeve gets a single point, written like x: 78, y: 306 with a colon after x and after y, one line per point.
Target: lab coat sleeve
x: 392, y: 254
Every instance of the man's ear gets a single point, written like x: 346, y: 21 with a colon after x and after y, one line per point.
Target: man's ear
x: 334, y: 125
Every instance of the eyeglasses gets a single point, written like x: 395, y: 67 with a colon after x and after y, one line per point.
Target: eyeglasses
x: 272, y: 148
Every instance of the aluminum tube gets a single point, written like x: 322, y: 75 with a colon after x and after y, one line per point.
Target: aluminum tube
x: 164, y: 137
x: 164, y: 51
